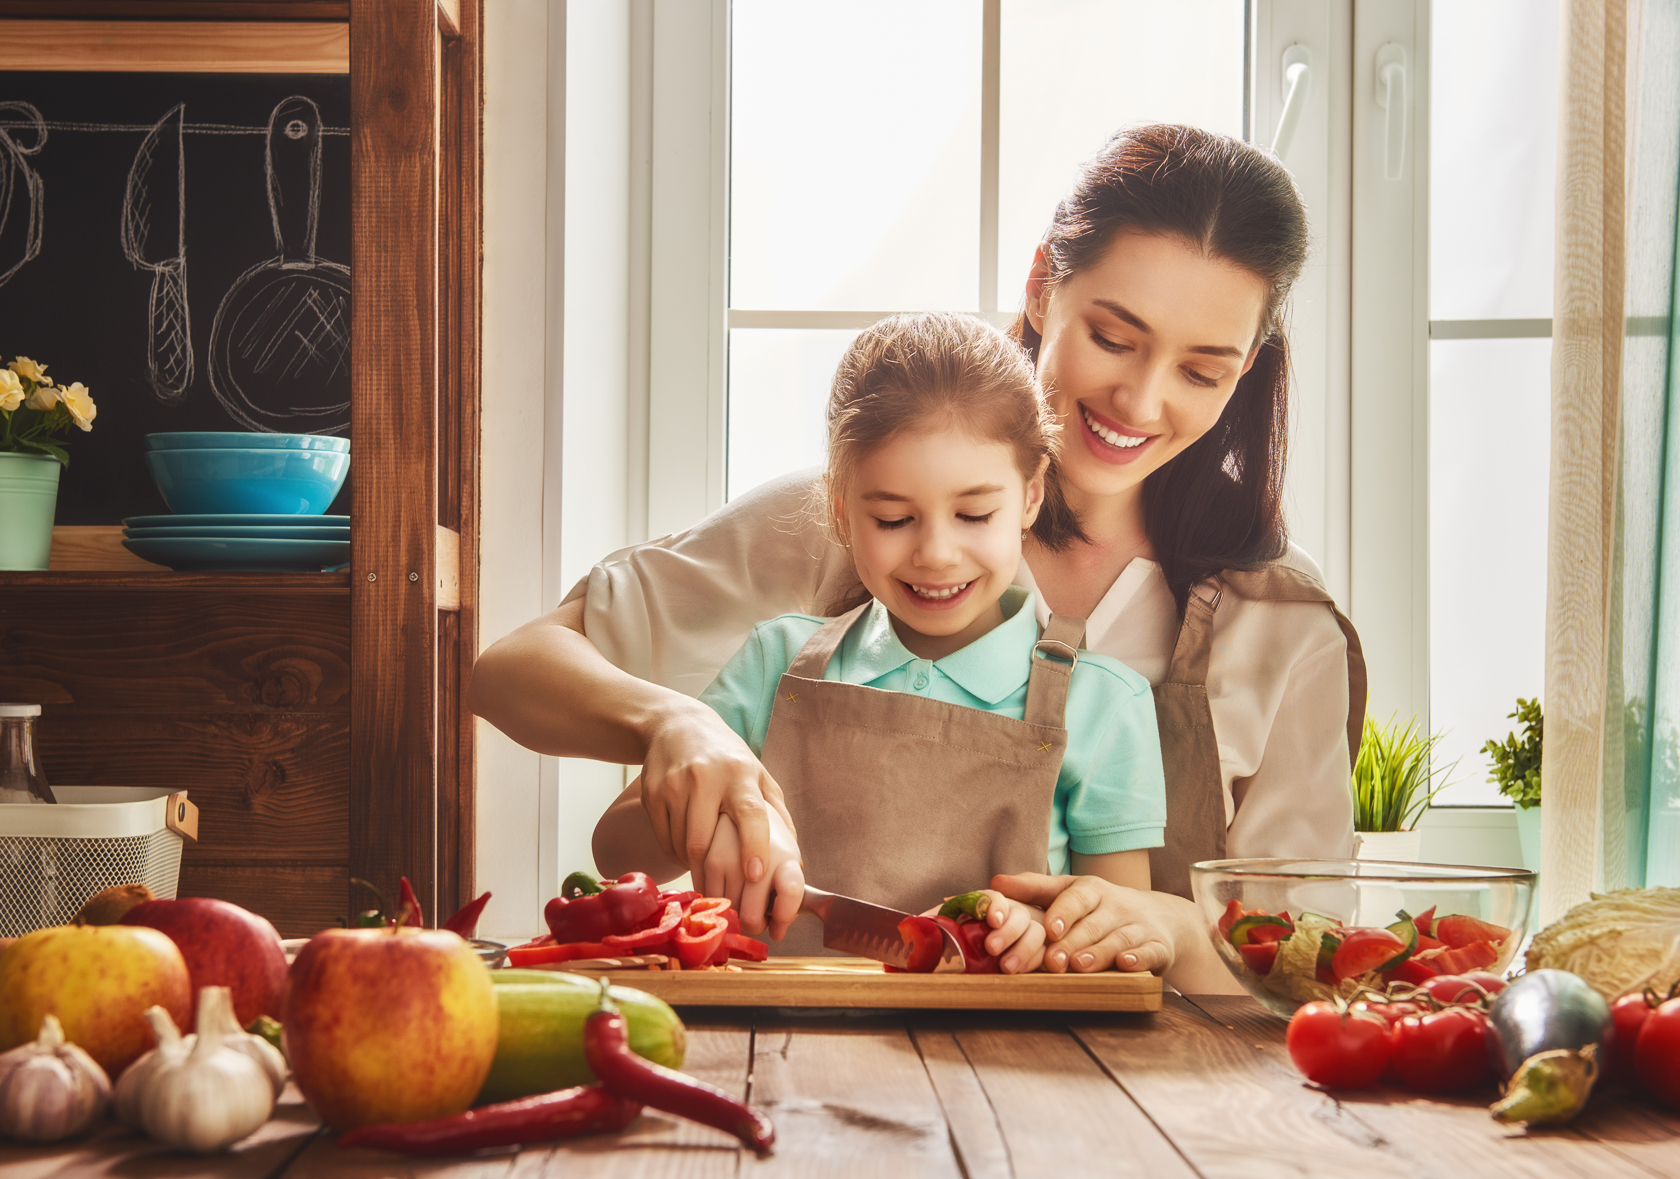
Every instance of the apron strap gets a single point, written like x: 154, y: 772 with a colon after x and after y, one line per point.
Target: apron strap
x: 1054, y: 657
x: 1195, y: 635
x: 813, y: 657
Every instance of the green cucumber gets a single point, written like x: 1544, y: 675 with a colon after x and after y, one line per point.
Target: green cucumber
x: 1407, y: 931
x: 540, y: 1015
x: 1242, y: 928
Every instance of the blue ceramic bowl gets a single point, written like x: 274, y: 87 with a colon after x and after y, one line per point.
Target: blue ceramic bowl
x: 276, y: 482
x: 244, y: 440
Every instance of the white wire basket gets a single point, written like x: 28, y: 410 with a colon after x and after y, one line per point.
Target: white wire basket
x: 53, y: 858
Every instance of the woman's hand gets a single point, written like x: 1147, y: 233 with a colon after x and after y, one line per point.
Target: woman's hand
x: 721, y: 877
x: 1094, y: 925
x: 697, y: 769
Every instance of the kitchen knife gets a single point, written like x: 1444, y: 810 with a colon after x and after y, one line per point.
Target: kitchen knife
x: 154, y: 232
x: 864, y: 930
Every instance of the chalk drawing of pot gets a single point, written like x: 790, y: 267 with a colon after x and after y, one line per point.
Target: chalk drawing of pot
x: 21, y: 191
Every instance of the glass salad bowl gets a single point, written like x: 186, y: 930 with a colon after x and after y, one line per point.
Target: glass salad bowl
x: 1296, y: 930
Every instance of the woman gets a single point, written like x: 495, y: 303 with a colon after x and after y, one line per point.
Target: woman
x: 1152, y: 313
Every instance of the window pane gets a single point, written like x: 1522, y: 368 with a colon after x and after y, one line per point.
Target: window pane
x: 778, y: 392
x: 1493, y: 131
x: 1076, y: 71
x: 1489, y: 450
x: 855, y: 155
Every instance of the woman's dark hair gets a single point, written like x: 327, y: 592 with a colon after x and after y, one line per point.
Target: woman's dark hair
x: 1219, y: 504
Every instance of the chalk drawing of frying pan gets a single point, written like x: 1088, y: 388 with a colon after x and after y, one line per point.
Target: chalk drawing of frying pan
x: 20, y: 188
x: 154, y: 237
x: 280, y: 343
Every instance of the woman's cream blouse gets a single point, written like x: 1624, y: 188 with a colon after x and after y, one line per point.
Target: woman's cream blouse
x: 673, y: 611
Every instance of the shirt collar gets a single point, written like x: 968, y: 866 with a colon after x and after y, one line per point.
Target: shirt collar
x: 991, y: 668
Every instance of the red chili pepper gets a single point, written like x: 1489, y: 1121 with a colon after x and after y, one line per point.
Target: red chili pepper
x: 465, y: 920
x: 559, y: 952
x: 410, y: 915
x: 699, y: 935
x: 587, y: 1109
x: 620, y: 907
x: 606, y: 1049
x: 652, y: 937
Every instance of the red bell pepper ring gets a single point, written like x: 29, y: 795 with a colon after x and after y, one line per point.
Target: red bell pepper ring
x: 618, y: 908
x: 465, y: 920
x: 699, y: 935
x: 652, y: 938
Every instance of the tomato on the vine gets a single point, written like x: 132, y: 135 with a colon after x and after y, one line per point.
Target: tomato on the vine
x: 1462, y: 988
x: 1657, y: 1053
x: 1337, y: 1049
x: 1621, y: 1038
x: 1442, y: 1052
x: 1391, y: 1012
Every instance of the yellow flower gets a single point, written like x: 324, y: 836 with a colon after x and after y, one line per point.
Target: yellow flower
x: 29, y: 370
x: 81, y: 407
x: 11, y: 390
x: 43, y: 398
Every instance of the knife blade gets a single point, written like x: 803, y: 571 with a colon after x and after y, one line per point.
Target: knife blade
x: 864, y: 930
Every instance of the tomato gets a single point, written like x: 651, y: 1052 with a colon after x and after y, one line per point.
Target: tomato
x: 1442, y: 1052
x: 1234, y: 912
x: 1459, y: 931
x: 1365, y: 950
x: 1627, y: 1017
x: 1425, y: 922
x: 1390, y: 1013
x: 1259, y: 956
x: 1462, y: 988
x: 1491, y: 983
x: 1459, y: 959
x: 1341, y: 1051
x: 1657, y: 1054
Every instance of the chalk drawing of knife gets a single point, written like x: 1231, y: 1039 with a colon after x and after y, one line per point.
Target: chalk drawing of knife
x: 154, y: 236
x: 20, y: 188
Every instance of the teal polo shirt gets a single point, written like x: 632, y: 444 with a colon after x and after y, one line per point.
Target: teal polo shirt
x: 1111, y: 791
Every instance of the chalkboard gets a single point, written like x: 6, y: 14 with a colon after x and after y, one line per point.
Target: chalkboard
x: 180, y: 244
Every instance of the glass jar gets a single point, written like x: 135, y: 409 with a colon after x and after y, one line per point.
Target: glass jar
x: 21, y: 779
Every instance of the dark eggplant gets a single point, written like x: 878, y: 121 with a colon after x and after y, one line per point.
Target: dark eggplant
x: 1548, y: 1028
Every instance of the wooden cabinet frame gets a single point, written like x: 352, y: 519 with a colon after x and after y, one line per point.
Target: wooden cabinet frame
x: 410, y: 596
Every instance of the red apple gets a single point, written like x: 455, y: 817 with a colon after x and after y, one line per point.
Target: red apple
x: 225, y: 946
x: 98, y: 980
x: 385, y: 1025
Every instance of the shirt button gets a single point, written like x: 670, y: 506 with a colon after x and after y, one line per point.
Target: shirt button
x: 921, y: 681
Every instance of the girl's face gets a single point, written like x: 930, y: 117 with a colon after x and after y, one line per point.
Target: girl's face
x: 1140, y: 353
x: 934, y: 521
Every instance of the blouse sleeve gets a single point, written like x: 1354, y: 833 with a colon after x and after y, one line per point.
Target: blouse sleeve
x: 674, y: 610
x: 1297, y: 802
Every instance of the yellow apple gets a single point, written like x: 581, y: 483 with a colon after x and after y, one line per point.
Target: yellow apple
x: 384, y: 1025
x: 98, y: 980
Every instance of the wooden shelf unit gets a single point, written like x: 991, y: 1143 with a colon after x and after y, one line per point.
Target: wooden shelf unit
x: 315, y: 718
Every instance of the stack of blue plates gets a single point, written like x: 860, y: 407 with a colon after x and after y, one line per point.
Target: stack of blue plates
x: 249, y: 542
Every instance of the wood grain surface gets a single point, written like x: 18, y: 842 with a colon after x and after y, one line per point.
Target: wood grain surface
x: 300, y: 899
x: 859, y: 982
x: 95, y: 546
x: 176, y: 47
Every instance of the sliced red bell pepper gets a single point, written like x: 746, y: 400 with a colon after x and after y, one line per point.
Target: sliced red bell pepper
x: 579, y: 916
x: 534, y: 955
x: 927, y: 944
x: 652, y: 936
x: 739, y: 945
x: 1413, y: 970
x: 700, y: 932
x: 686, y: 896
x: 1259, y: 956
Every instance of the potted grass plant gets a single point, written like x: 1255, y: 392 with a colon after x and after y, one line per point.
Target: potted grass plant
x: 1394, y: 777
x: 1516, y: 771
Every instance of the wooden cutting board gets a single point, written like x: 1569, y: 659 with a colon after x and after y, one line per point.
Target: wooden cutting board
x: 860, y: 982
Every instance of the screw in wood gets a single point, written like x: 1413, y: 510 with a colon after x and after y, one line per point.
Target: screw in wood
x: 373, y: 577
x: 412, y: 576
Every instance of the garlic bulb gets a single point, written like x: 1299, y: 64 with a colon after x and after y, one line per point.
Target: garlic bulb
x: 137, y: 1077
x: 237, y: 1038
x: 211, y: 1095
x: 50, y: 1089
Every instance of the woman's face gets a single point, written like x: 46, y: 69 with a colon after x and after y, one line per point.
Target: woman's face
x: 934, y: 521
x: 1140, y: 353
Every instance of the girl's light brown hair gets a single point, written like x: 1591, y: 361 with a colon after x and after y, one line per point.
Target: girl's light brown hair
x: 933, y: 371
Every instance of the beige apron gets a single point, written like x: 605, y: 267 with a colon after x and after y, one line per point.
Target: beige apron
x: 1189, y: 751
x: 902, y: 800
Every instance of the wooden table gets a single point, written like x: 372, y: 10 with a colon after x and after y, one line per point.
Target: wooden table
x: 1201, y: 1088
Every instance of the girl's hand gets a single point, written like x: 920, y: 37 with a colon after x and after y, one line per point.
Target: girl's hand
x: 1017, y: 938
x: 697, y: 769
x: 721, y: 877
x: 1094, y: 925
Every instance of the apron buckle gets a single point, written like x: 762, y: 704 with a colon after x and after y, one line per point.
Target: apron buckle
x: 1073, y: 653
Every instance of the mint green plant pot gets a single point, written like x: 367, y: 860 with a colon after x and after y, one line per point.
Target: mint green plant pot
x: 28, y: 495
x: 1528, y: 831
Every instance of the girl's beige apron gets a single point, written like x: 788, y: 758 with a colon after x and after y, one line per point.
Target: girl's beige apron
x: 1189, y: 752
x: 902, y: 800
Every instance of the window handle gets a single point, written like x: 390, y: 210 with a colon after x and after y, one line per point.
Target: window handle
x: 1391, y: 96
x: 1297, y: 88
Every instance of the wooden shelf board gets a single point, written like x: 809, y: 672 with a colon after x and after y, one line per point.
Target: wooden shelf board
x: 108, y: 579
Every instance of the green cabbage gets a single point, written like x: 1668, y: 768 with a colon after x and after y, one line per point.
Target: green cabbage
x: 1619, y: 941
x: 1294, y: 974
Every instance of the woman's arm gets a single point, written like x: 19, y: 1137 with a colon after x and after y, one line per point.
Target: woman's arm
x: 546, y: 686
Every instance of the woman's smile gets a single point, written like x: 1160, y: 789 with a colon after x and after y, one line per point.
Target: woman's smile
x: 1110, y: 441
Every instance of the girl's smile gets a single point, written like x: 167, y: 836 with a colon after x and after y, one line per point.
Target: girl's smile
x: 934, y: 521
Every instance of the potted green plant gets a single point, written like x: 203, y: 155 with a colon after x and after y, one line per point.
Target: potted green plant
x: 1516, y: 771
x: 34, y: 413
x: 1394, y: 777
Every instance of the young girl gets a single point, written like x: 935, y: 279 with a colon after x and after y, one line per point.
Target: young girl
x: 931, y: 737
